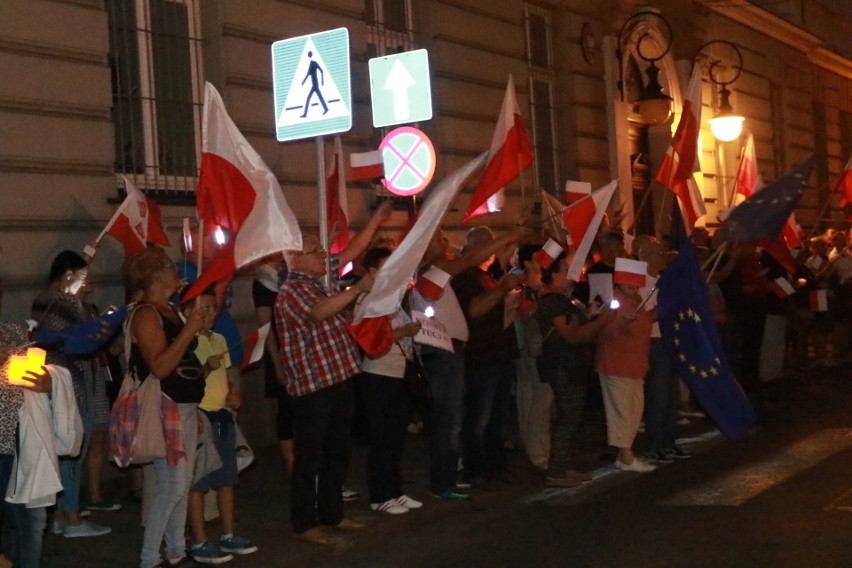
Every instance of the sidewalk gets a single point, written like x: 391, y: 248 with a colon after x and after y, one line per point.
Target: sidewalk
x: 263, y: 504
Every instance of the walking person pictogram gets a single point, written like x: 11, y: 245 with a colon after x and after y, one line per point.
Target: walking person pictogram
x: 313, y: 69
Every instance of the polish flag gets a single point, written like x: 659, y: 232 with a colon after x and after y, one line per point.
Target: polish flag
x: 135, y: 223
x: 681, y: 161
x: 748, y: 178
x: 367, y: 165
x: 630, y: 272
x: 818, y: 300
x: 793, y: 233
x: 238, y: 192
x: 431, y: 283
x: 601, y: 198
x: 509, y: 155
x: 337, y: 204
x: 254, y: 345
x: 493, y: 204
x: 844, y: 186
x: 782, y: 287
x: 577, y: 217
x: 548, y: 253
x: 370, y: 325
x: 575, y: 190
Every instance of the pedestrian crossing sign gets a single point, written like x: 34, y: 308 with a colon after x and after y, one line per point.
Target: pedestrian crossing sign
x: 311, y: 83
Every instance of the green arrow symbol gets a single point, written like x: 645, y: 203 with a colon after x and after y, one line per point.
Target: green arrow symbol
x: 399, y: 80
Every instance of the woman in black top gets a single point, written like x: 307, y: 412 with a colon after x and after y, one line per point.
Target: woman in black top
x: 162, y: 346
x: 565, y: 363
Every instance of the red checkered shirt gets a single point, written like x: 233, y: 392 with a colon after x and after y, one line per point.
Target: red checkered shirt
x: 316, y: 354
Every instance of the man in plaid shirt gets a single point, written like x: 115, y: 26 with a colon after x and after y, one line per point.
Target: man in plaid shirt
x: 319, y: 357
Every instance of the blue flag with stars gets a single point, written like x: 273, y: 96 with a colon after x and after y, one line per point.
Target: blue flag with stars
x: 764, y: 214
x: 689, y: 333
x: 84, y: 337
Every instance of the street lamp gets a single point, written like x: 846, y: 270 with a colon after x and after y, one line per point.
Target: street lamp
x: 726, y: 125
x: 653, y: 105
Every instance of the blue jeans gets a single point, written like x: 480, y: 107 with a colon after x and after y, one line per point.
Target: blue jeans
x: 71, y: 468
x: 662, y: 394
x: 487, y: 401
x: 166, y: 515
x: 28, y: 524
x: 445, y: 375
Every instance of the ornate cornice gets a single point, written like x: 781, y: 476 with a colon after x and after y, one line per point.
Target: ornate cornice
x: 787, y: 33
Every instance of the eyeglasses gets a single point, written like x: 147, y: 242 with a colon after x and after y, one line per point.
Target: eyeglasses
x: 319, y: 252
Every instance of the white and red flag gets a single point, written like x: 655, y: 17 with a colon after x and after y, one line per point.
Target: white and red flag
x: 575, y: 190
x: 844, y: 186
x: 630, y: 272
x: 337, y: 204
x: 371, y: 324
x: 681, y: 161
x: 600, y: 198
x: 493, y: 204
x: 367, y: 165
x: 818, y: 300
x: 431, y: 283
x: 509, y: 155
x: 748, y: 178
x: 782, y: 287
x: 254, y: 345
x: 135, y: 223
x: 548, y: 253
x: 238, y: 192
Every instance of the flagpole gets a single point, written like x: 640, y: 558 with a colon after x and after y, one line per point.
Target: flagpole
x: 717, y: 252
x: 323, y: 206
x: 521, y: 179
x: 819, y: 217
x: 715, y: 264
x: 199, y: 258
x: 645, y: 301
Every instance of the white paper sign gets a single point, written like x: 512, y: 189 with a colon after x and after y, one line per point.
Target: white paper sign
x: 432, y: 332
x: 600, y: 285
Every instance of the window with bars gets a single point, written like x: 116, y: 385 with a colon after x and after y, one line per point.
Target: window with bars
x: 155, y: 61
x: 540, y: 62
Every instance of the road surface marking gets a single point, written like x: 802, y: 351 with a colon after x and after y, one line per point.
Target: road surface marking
x: 741, y: 484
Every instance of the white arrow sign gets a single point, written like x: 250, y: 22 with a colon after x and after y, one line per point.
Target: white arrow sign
x: 399, y: 81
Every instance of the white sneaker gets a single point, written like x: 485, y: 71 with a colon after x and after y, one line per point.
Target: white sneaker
x: 86, y: 528
x: 408, y: 502
x: 636, y: 465
x: 391, y: 507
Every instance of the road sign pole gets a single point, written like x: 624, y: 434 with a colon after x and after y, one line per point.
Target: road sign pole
x: 321, y: 198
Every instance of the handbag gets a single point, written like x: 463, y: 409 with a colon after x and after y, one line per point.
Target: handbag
x: 136, y: 432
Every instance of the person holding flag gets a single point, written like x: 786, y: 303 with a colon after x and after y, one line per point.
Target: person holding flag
x: 621, y: 361
x: 444, y: 370
x: 385, y: 397
x: 55, y: 309
x: 319, y: 358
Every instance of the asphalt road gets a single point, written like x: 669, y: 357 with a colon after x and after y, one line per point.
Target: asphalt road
x: 780, y: 497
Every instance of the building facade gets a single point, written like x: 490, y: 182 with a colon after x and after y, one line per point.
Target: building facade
x: 94, y: 90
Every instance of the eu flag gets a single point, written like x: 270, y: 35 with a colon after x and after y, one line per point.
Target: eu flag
x: 764, y: 214
x: 689, y: 333
x: 84, y: 337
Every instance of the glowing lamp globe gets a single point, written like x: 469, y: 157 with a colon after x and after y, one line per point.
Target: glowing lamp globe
x: 726, y: 128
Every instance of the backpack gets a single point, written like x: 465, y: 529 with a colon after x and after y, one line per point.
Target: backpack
x: 533, y: 338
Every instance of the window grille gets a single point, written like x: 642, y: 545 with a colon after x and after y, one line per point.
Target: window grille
x: 156, y: 66
x: 540, y: 64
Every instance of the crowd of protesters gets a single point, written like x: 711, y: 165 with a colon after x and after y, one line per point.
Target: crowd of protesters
x: 521, y: 336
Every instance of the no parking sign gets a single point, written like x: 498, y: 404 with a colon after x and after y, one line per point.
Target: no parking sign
x: 409, y: 160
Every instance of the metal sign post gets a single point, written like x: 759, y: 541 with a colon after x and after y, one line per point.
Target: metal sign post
x: 323, y: 206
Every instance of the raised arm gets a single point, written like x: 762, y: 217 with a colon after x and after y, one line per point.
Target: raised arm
x: 362, y: 240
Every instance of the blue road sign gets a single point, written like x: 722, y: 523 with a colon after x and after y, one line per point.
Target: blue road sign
x: 311, y: 81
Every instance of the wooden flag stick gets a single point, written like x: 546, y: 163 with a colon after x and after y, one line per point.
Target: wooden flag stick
x: 715, y: 264
x: 645, y: 300
x: 200, y: 257
x: 639, y: 210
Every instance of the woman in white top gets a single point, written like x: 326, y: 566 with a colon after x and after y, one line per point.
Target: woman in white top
x: 386, y: 402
